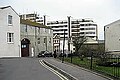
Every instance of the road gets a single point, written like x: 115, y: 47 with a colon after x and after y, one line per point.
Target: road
x: 25, y: 69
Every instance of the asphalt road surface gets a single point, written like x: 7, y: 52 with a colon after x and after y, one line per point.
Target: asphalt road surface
x: 24, y: 69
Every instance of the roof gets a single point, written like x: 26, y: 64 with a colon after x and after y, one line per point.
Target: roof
x: 112, y: 23
x: 56, y: 36
x: 9, y: 7
x: 5, y: 7
x: 28, y: 22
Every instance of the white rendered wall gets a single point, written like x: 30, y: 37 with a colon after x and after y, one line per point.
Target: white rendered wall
x: 9, y: 49
x: 112, y: 37
x: 65, y: 46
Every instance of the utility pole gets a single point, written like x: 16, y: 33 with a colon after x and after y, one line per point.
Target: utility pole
x: 63, y: 47
x: 69, y: 32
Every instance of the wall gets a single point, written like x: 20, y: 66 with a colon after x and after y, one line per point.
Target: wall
x: 36, y: 36
x: 112, y: 37
x: 9, y: 49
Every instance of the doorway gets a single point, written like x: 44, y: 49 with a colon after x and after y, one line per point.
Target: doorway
x: 25, y: 48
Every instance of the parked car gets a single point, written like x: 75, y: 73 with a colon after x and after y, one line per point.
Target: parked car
x: 41, y: 54
x: 45, y: 54
x: 48, y: 54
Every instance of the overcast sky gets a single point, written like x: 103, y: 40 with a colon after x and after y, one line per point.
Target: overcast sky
x: 102, y: 12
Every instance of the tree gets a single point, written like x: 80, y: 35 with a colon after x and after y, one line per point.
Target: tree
x: 78, y: 42
x: 101, y: 55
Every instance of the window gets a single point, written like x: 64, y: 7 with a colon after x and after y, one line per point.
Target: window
x: 10, y: 37
x: 24, y: 46
x: 81, y: 28
x: 43, y: 29
x: 38, y: 40
x: 90, y: 32
x: 26, y: 28
x: 44, y: 40
x: 9, y: 19
x: 49, y: 31
x: 81, y: 24
x: 50, y: 40
x: 39, y: 30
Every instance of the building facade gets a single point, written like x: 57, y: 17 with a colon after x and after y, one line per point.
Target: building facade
x: 22, y: 38
x: 71, y: 28
x: 34, y: 17
x: 35, y: 38
x: 9, y: 33
x: 56, y: 43
x: 112, y: 37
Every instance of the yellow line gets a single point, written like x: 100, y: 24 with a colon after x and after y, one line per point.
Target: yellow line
x: 51, y: 70
x: 54, y: 71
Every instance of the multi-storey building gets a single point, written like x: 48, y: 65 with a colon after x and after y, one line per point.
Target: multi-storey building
x: 71, y: 28
x: 34, y: 17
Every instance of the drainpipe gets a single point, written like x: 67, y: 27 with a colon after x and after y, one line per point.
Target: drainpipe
x: 46, y: 43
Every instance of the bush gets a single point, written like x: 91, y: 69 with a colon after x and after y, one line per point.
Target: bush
x: 110, y: 64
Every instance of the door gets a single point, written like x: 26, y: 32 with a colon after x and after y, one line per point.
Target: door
x: 25, y: 48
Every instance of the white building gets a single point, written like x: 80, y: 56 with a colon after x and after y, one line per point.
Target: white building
x: 56, y: 43
x: 34, y: 17
x: 9, y: 33
x: 73, y: 27
x: 112, y: 37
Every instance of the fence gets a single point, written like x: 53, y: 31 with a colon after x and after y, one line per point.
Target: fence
x: 109, y: 65
x: 106, y: 64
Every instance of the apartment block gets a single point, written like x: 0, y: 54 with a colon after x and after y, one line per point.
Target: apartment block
x: 71, y: 28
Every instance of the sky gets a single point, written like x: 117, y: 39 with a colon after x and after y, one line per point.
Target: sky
x: 102, y: 12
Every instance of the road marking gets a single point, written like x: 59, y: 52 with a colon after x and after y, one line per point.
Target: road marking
x: 63, y: 71
x: 52, y: 70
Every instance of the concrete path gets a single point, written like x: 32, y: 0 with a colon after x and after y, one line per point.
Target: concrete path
x: 77, y: 72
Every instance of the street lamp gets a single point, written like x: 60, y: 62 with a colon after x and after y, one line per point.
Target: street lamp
x: 63, y: 47
x: 70, y: 42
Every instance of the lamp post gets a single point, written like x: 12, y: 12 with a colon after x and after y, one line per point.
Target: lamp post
x: 91, y: 60
x: 63, y: 47
x: 70, y: 41
x: 69, y: 31
x: 71, y: 56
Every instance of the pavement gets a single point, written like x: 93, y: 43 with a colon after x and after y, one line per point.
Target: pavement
x: 75, y: 71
